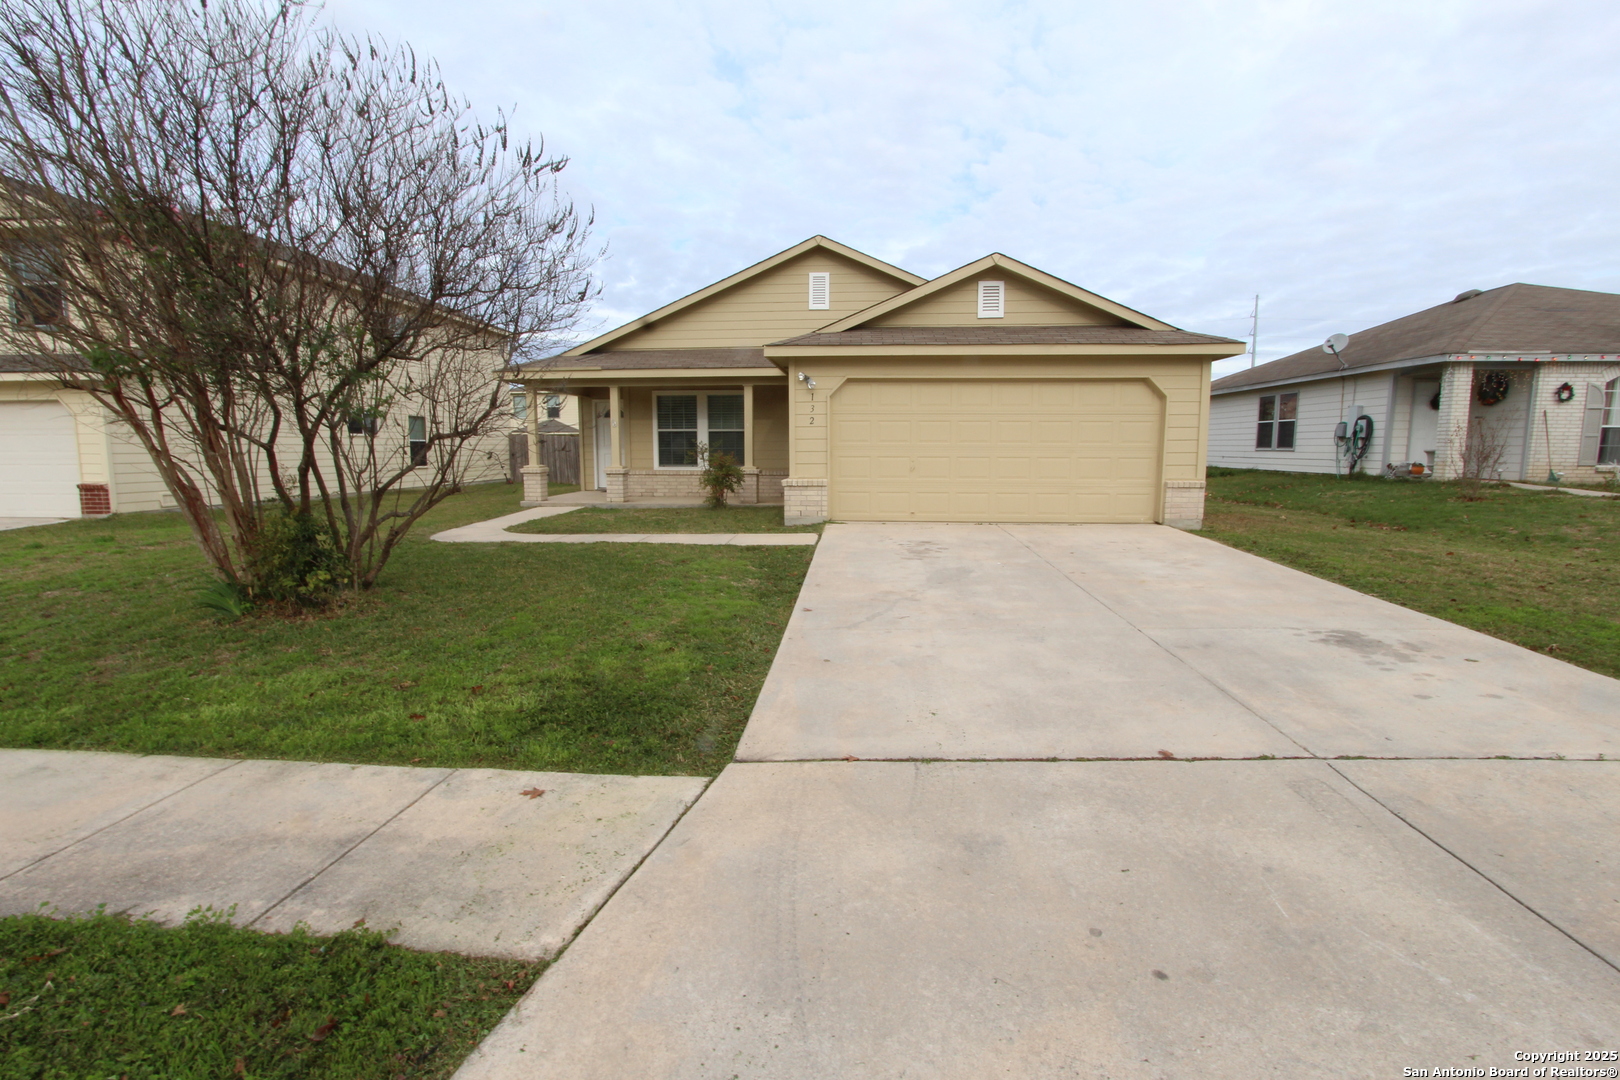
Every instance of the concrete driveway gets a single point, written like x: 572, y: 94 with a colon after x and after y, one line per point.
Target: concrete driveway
x: 1387, y: 860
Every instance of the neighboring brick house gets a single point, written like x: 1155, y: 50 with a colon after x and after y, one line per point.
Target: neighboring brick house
x: 1529, y: 369
x: 849, y: 388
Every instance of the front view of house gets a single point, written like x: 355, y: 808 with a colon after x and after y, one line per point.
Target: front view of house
x: 851, y: 389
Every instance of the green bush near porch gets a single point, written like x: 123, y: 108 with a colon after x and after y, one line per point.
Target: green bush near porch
x: 1535, y: 568
x: 613, y: 658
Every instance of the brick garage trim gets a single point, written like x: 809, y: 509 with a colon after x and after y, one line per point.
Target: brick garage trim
x: 95, y: 500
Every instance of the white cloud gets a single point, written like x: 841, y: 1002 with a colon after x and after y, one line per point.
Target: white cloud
x: 1349, y: 161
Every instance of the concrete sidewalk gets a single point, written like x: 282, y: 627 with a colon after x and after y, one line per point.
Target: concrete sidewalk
x: 494, y: 531
x: 456, y: 859
x: 1378, y: 893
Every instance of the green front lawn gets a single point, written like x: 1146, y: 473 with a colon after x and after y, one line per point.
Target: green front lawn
x: 1538, y: 569
x: 105, y: 996
x: 685, y: 519
x: 583, y: 658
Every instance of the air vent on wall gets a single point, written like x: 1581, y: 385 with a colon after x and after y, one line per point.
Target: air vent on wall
x: 820, y: 292
x: 992, y: 299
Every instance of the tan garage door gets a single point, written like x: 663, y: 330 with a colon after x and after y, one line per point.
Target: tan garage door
x: 995, y: 450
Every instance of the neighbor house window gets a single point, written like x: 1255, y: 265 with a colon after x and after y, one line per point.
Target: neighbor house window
x: 520, y: 406
x: 1278, y: 414
x: 1609, y: 434
x: 362, y: 423
x: 686, y: 420
x: 554, y: 406
x: 417, y: 428
x: 36, y: 298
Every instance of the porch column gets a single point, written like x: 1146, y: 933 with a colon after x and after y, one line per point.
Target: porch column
x: 536, y: 476
x: 1456, y: 408
x: 617, y: 444
x: 749, y: 492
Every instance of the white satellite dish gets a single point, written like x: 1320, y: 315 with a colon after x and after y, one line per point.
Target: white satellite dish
x: 1336, y: 343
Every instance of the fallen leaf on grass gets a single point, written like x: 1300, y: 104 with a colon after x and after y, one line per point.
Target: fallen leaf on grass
x: 418, y: 716
x: 478, y: 689
x: 45, y: 955
x: 534, y: 792
x: 320, y: 1033
x: 439, y: 1013
x: 403, y: 685
x: 241, y: 1067
x: 178, y: 1010
x: 5, y: 998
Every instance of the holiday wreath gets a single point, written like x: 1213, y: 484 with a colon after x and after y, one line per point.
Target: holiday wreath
x: 1493, y: 387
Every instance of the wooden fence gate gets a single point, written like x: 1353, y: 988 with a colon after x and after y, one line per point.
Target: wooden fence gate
x: 559, y: 453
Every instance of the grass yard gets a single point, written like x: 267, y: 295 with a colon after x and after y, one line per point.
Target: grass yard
x: 581, y: 658
x: 685, y: 519
x: 106, y: 996
x: 1534, y: 568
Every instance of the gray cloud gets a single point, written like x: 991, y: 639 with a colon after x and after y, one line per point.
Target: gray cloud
x: 1350, y: 162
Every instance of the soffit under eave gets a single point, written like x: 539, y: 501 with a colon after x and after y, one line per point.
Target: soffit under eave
x: 785, y: 354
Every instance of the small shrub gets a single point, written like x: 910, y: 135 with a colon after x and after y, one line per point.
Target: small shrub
x: 296, y: 559
x: 225, y: 598
x: 721, y: 476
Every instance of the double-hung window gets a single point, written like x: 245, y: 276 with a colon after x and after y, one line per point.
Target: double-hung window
x: 417, y: 433
x: 1278, y: 415
x: 686, y: 421
x: 37, y: 295
x: 1609, y: 433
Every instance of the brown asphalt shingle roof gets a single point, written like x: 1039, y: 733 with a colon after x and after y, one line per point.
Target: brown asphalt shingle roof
x: 1008, y: 335
x: 650, y: 359
x: 45, y: 362
x: 1511, y: 319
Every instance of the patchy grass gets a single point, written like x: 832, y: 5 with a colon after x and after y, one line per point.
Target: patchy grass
x: 685, y: 519
x: 1538, y: 569
x: 613, y: 658
x: 107, y: 996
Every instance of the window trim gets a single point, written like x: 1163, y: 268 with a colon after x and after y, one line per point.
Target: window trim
x: 702, y: 422
x: 823, y: 302
x: 418, y: 458
x: 1273, y: 427
x: 47, y: 256
x: 1608, y: 422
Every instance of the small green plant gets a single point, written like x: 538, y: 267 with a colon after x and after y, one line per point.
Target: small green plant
x: 225, y: 598
x: 296, y: 559
x: 721, y: 476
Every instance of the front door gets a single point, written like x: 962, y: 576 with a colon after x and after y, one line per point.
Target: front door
x: 1421, y: 438
x: 601, y: 425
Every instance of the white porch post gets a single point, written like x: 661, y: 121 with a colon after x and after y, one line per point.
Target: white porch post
x: 750, y: 467
x: 536, y: 476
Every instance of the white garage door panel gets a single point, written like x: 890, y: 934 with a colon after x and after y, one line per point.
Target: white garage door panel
x: 39, y: 460
x: 1082, y: 450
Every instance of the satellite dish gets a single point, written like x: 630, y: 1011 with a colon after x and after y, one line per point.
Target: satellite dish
x: 1336, y: 343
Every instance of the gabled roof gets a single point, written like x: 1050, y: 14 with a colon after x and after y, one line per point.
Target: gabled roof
x: 1003, y: 263
x: 812, y: 244
x: 1005, y: 335
x: 1518, y: 318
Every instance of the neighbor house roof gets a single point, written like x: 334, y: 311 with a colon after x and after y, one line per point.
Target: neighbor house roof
x: 1518, y: 318
x: 1006, y: 335
x: 648, y: 359
x: 46, y: 363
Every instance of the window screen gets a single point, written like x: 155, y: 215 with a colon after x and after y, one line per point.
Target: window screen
x: 726, y: 425
x: 1609, y: 433
x: 677, y: 429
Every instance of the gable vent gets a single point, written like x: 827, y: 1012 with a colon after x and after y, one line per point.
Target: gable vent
x: 992, y: 299
x: 820, y: 292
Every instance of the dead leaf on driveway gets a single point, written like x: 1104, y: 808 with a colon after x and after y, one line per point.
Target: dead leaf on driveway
x: 534, y: 792
x: 1167, y: 755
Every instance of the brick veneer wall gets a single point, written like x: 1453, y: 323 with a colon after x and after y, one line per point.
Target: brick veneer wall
x: 95, y: 500
x: 804, y: 501
x: 1184, y: 504
x: 665, y: 484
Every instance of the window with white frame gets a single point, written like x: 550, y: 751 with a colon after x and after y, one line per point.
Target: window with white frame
x: 416, y: 433
x: 1609, y: 433
x: 1279, y: 413
x: 36, y: 299
x: 520, y: 406
x: 684, y: 421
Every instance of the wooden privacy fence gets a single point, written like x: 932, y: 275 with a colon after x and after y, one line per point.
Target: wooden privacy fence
x: 559, y: 453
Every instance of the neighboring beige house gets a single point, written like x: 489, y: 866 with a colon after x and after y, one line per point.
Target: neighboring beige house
x: 1526, y: 369
x: 851, y: 389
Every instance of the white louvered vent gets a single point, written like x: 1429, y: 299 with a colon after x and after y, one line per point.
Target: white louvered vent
x: 992, y: 299
x: 820, y: 292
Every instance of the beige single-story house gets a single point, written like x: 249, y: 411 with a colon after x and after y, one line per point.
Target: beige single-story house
x: 851, y: 389
x: 1519, y: 380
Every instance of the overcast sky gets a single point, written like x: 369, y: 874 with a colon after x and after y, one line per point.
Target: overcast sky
x: 1350, y: 162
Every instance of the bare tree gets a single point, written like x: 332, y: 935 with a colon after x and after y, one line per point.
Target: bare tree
x: 274, y: 245
x: 1483, y: 445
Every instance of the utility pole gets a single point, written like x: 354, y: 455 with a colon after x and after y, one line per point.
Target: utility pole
x: 1254, y: 330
